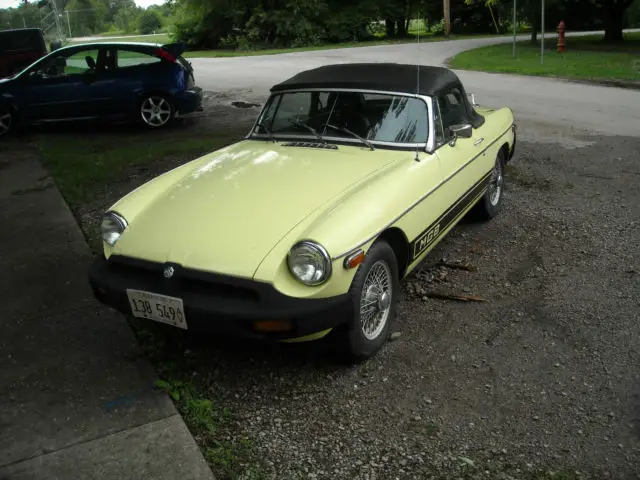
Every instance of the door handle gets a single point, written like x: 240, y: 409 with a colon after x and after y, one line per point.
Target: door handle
x: 478, y: 141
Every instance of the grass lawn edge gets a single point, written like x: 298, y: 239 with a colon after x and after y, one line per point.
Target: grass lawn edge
x: 596, y: 80
x: 615, y: 83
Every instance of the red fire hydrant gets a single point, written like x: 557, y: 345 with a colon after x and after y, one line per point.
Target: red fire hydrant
x: 560, y: 31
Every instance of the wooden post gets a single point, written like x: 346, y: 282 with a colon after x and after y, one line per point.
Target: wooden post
x: 447, y: 18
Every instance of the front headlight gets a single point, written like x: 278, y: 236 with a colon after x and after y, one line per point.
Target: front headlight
x: 112, y: 227
x: 310, y: 263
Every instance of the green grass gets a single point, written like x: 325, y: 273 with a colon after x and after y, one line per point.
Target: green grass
x: 207, y: 421
x: 586, y: 57
x: 84, y: 165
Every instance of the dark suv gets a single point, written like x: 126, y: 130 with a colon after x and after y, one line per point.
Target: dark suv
x: 20, y: 48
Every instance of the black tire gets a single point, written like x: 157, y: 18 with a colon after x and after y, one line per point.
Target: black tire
x: 166, y: 112
x: 488, y: 206
x: 7, y: 121
x: 352, y: 341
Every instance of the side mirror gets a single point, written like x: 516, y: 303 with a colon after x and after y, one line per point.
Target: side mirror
x: 460, y: 130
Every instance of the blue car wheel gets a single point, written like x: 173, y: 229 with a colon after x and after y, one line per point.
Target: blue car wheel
x: 156, y: 110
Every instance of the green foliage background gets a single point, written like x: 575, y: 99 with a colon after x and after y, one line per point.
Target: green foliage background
x: 256, y: 24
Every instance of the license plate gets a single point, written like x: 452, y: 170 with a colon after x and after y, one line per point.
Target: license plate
x: 160, y: 308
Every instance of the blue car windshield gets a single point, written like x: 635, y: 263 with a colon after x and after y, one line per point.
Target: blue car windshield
x: 377, y: 117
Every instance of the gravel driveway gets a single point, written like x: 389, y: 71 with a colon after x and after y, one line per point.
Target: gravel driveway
x: 542, y: 377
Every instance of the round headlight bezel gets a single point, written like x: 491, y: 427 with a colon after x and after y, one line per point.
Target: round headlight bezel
x: 119, y: 221
x: 316, y: 248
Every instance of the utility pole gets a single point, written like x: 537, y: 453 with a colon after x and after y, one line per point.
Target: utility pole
x: 447, y: 17
x: 542, y: 34
x: 514, y: 28
x: 69, y: 23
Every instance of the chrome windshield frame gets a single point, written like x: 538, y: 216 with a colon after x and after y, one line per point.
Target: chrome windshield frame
x: 427, y: 146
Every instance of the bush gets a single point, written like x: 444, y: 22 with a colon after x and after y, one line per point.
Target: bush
x: 149, y: 22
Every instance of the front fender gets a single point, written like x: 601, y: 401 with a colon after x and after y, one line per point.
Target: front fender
x: 356, y: 216
x: 137, y: 201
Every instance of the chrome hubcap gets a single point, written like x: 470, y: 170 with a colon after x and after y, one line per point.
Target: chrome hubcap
x: 5, y: 122
x: 156, y: 111
x: 375, y: 302
x: 495, y: 186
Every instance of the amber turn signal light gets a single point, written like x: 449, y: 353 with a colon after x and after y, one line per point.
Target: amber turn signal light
x: 272, y: 325
x: 353, y: 260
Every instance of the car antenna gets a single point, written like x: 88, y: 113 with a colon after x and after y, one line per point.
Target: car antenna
x: 417, y: 159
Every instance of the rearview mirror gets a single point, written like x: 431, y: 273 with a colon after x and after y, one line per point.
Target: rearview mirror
x: 463, y: 130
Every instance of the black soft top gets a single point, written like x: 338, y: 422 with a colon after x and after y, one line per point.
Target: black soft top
x: 388, y: 77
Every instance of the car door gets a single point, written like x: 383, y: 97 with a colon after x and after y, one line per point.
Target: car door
x: 459, y: 157
x: 131, y: 71
x: 108, y: 87
x: 60, y: 88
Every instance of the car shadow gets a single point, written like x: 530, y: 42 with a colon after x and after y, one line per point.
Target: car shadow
x: 165, y: 342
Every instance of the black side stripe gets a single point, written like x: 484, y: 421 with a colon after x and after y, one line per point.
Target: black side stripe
x: 425, y: 239
x: 424, y: 197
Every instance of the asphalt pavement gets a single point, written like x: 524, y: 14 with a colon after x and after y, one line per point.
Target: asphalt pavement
x: 77, y: 397
x: 583, y: 108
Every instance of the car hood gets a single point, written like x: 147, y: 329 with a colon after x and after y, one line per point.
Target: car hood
x: 232, y: 208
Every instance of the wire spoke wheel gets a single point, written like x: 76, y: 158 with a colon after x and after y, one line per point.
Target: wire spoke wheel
x: 375, y: 301
x: 495, y: 185
x: 6, y: 120
x: 156, y: 111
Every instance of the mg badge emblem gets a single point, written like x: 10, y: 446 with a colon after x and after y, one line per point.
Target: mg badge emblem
x: 169, y: 271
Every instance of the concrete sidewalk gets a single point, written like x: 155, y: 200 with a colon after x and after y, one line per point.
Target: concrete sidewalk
x: 76, y: 393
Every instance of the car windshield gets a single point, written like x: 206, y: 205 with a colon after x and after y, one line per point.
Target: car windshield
x: 376, y: 117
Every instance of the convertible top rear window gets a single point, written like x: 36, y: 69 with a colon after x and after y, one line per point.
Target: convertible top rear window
x: 376, y: 117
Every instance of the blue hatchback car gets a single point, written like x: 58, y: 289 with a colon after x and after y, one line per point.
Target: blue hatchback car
x: 143, y: 82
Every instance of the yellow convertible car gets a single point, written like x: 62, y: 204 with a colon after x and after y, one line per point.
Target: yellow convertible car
x: 350, y: 175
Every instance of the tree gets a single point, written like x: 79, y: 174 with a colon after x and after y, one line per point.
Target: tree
x: 205, y: 23
x: 87, y: 16
x: 633, y: 15
x: 149, y: 22
x: 126, y: 19
x: 614, y: 17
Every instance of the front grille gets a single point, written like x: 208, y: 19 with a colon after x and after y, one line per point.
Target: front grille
x: 184, y: 280
x: 218, y: 289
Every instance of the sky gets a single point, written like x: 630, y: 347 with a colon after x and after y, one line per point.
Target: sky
x: 140, y: 3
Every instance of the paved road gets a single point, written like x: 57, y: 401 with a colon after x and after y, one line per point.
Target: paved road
x: 539, y: 101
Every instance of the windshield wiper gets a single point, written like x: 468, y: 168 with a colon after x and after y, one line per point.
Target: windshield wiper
x: 353, y: 134
x: 267, y: 131
x: 298, y: 123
